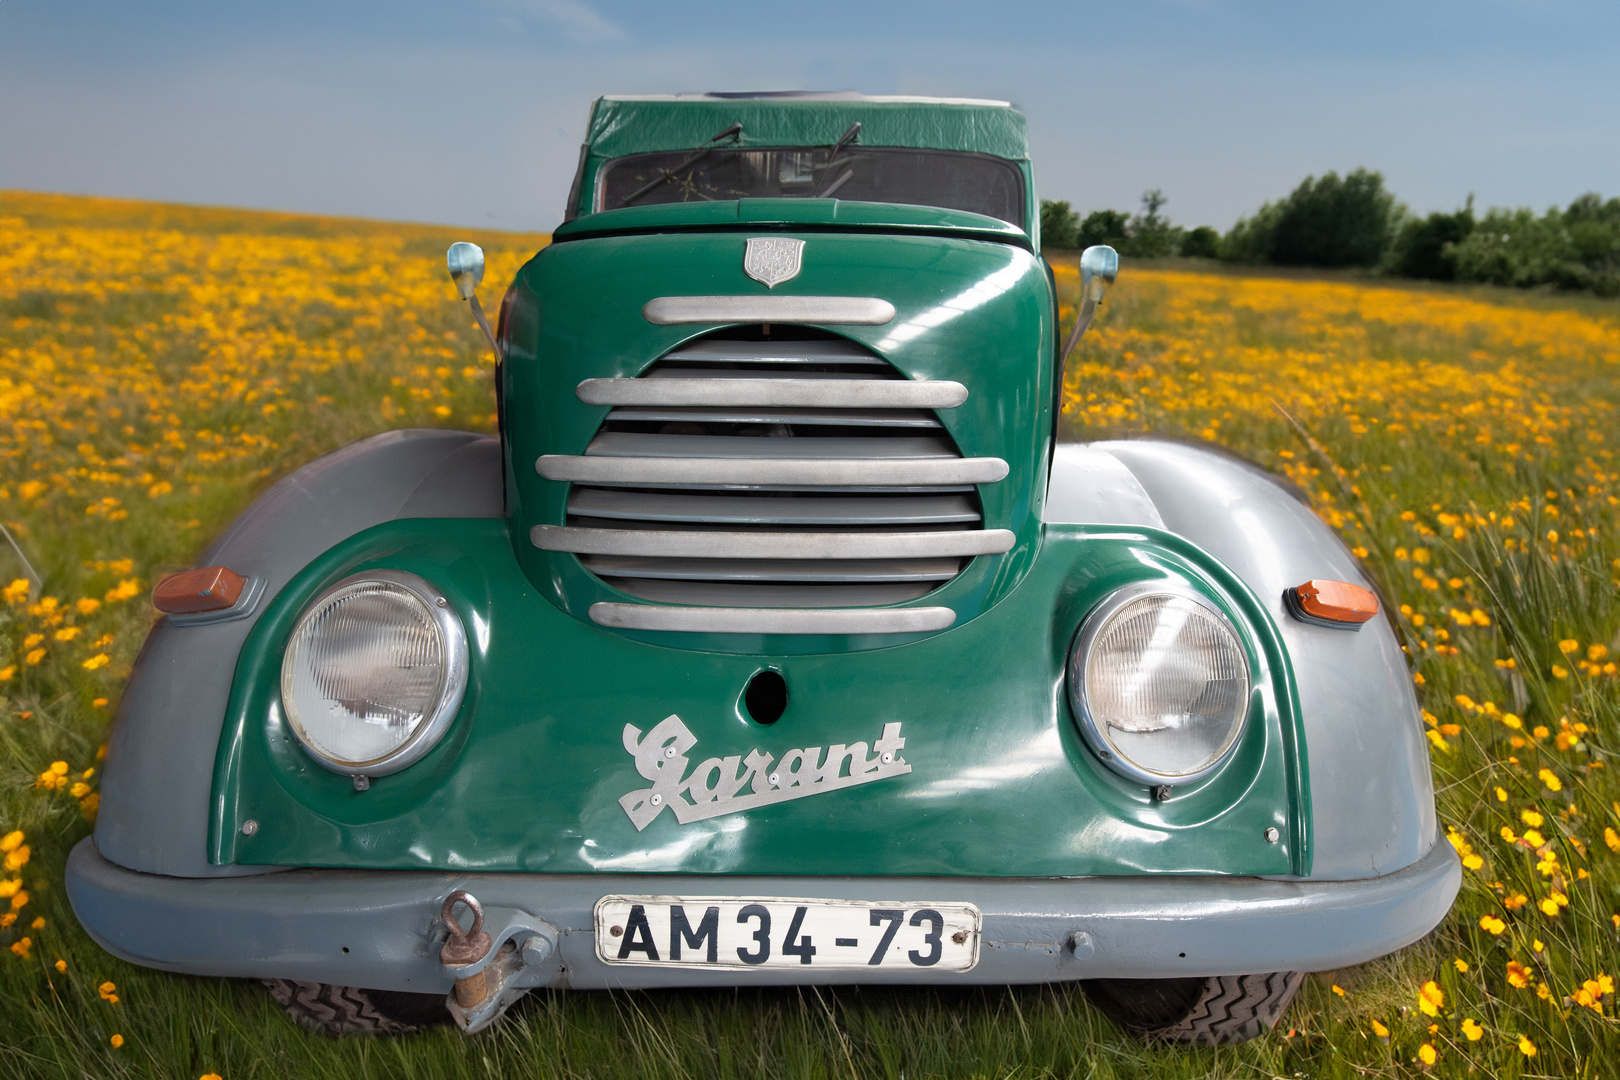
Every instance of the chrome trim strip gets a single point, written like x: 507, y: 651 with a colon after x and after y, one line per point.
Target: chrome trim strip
x: 692, y: 544
x: 791, y: 393
x: 844, y: 310
x: 829, y: 472
x: 706, y: 620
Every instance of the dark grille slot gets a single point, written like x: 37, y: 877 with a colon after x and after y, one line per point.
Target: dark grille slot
x: 775, y: 440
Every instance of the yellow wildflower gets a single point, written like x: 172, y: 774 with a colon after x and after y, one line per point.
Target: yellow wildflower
x: 1430, y: 998
x: 33, y: 657
x: 67, y: 633
x: 1460, y: 964
x: 87, y: 605
x: 1515, y: 902
x: 1518, y: 976
x: 117, y: 1041
x: 106, y: 990
x: 16, y: 859
x: 12, y: 840
x: 61, y: 965
x: 1611, y: 838
x: 1380, y: 1030
x: 1526, y: 1047
x: 1426, y: 1054
x: 1531, y: 818
x: 1337, y: 989
x: 21, y: 947
x: 1492, y: 925
x: 100, y: 660
x: 16, y: 592
x: 1549, y: 778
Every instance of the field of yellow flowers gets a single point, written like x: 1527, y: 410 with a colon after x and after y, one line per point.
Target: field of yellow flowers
x: 159, y: 365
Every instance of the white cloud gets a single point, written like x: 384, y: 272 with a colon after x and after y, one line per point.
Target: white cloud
x: 578, y: 20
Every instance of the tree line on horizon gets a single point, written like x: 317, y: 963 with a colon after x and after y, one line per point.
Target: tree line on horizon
x: 1354, y: 221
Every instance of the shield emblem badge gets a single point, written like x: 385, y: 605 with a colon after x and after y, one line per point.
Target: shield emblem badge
x: 772, y: 259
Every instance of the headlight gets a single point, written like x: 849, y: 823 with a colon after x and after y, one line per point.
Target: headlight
x: 374, y: 673
x: 1160, y: 684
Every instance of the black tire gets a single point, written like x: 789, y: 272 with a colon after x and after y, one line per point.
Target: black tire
x: 350, y: 1010
x: 1206, y: 1012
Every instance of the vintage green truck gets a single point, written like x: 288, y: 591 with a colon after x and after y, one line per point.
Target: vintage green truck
x: 775, y: 640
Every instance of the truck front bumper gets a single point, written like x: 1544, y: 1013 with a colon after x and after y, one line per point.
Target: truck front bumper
x: 381, y: 929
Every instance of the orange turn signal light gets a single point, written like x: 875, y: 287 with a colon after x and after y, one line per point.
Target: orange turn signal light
x: 191, y: 592
x: 1338, y: 604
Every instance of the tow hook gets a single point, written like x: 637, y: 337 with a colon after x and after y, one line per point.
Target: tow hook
x: 493, y: 971
x: 466, y: 949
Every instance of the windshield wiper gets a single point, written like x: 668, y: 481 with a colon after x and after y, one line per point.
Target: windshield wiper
x: 669, y: 174
x: 843, y: 140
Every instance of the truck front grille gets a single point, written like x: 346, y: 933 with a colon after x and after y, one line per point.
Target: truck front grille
x: 773, y: 475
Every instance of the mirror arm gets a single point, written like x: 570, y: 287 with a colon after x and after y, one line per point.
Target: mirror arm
x: 1099, y: 265
x: 483, y: 324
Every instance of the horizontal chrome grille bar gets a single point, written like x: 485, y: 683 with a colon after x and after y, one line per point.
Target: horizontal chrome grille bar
x: 771, y: 545
x: 769, y: 448
x: 697, y: 414
x: 812, y: 571
x: 719, y: 351
x: 721, y: 620
x: 839, y: 310
x: 792, y: 393
x: 803, y: 472
x: 749, y: 595
x: 743, y: 510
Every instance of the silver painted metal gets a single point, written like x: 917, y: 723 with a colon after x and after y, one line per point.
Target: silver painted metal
x: 294, y: 924
x: 771, y: 545
x: 453, y: 685
x: 820, y: 310
x: 724, y: 620
x: 773, y: 259
x: 743, y: 472
x: 610, y: 504
x: 1099, y: 265
x: 776, y: 392
x: 154, y: 804
x: 249, y: 827
x: 466, y: 265
x: 1081, y: 945
x: 1355, y: 690
x: 708, y: 794
x: 1088, y: 486
x: 1095, y: 732
x: 1272, y: 834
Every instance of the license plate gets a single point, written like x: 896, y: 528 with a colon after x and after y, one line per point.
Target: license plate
x: 778, y: 932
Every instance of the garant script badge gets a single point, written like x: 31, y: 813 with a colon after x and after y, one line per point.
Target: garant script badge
x: 715, y: 786
x: 772, y: 259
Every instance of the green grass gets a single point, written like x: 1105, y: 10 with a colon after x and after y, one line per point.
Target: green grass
x: 109, y: 372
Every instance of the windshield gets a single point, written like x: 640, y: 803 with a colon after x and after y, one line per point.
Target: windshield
x: 978, y: 183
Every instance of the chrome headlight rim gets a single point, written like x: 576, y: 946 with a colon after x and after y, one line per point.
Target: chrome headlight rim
x: 1096, y: 622
x: 453, y: 639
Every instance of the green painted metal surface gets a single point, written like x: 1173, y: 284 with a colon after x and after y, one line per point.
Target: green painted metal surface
x: 823, y: 214
x: 530, y: 775
x: 977, y: 312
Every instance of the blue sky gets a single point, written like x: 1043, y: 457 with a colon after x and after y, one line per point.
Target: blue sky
x: 471, y: 111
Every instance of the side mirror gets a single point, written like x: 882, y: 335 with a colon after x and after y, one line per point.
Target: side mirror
x: 466, y: 264
x: 1099, y: 266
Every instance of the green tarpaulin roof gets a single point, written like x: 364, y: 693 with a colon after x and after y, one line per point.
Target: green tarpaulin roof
x: 634, y: 125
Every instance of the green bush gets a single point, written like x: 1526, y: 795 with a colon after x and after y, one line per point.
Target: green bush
x: 1104, y: 227
x: 1201, y: 243
x: 1060, y: 225
x: 1151, y: 234
x: 1577, y: 248
x: 1425, y: 247
x: 1327, y: 222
